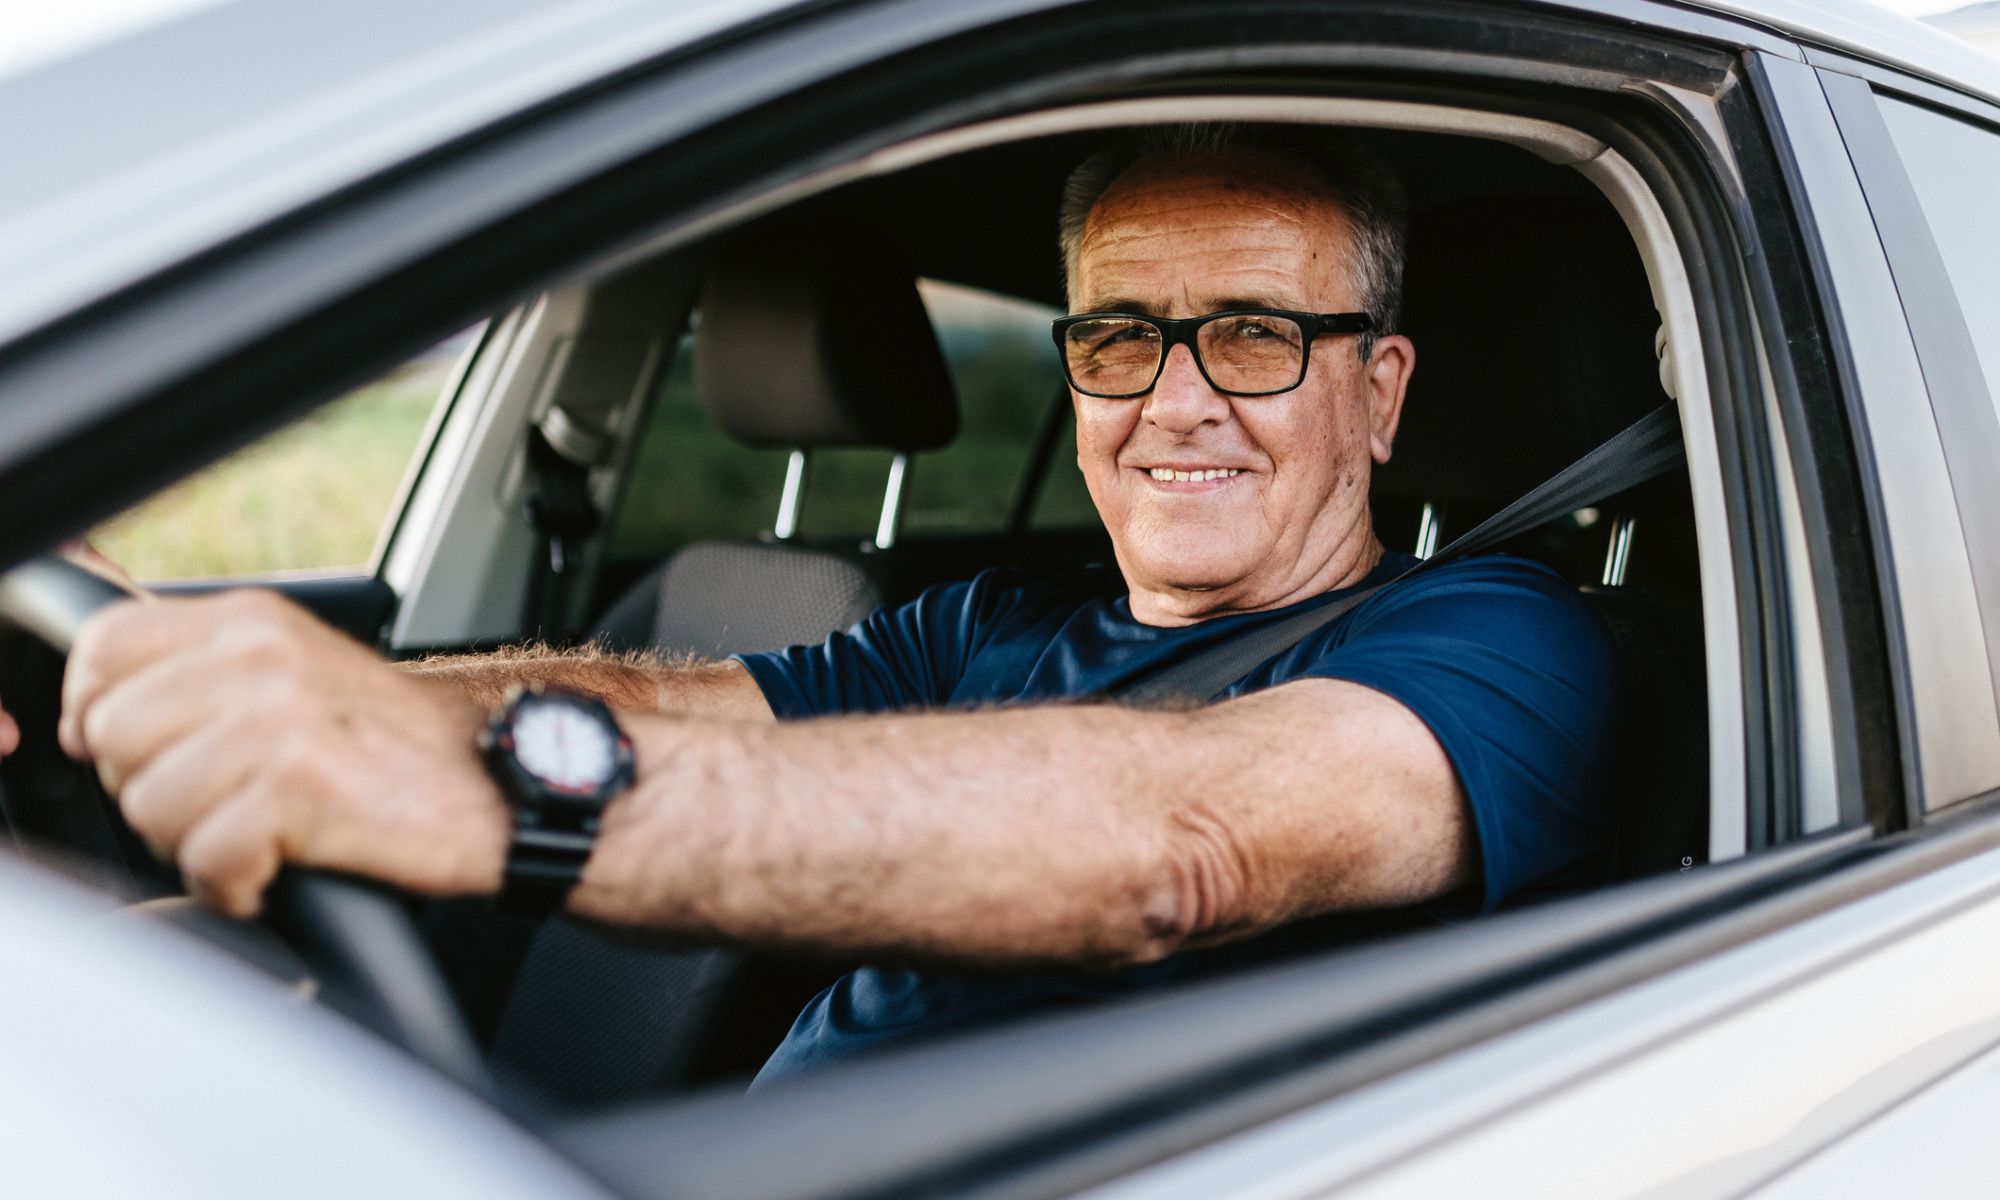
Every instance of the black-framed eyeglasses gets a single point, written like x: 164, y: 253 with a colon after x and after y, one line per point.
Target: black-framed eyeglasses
x: 1242, y: 351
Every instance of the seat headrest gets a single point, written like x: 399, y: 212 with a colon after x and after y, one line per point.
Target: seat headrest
x: 814, y: 335
x: 1533, y: 326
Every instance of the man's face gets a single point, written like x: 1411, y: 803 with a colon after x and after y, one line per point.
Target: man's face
x: 1183, y: 239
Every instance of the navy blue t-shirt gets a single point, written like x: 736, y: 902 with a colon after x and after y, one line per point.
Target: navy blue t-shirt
x: 1512, y: 672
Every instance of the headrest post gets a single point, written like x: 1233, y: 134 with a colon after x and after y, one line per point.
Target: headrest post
x: 1618, y: 551
x: 892, y: 502
x: 1429, y: 524
x: 786, y: 526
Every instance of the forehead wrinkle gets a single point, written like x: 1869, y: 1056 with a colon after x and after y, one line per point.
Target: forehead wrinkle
x: 1139, y: 227
x: 1117, y: 228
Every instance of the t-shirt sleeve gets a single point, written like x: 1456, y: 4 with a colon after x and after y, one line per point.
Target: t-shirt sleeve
x: 899, y: 657
x: 1519, y: 680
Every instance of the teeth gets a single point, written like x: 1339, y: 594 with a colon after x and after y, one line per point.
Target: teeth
x: 1169, y: 475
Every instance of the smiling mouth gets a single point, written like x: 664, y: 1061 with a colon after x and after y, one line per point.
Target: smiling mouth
x: 1203, y: 479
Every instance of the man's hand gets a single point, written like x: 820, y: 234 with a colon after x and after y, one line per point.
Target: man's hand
x: 84, y: 555
x: 239, y: 733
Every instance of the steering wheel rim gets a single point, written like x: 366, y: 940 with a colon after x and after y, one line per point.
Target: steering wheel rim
x: 372, y: 963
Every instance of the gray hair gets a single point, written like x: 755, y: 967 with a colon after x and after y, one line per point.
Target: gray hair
x: 1355, y: 176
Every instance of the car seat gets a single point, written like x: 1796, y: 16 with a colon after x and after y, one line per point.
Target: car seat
x: 809, y: 336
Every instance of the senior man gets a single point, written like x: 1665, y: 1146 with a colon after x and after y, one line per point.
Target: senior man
x: 954, y: 810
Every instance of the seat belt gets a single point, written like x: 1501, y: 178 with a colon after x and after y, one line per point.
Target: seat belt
x: 558, y: 504
x: 1645, y: 450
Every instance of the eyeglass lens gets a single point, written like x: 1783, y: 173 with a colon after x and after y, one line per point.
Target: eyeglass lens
x: 1249, y: 353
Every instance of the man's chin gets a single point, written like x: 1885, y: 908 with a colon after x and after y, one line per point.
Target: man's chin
x: 1182, y: 574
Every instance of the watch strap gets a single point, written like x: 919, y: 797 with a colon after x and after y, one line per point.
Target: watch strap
x: 552, y: 835
x: 543, y: 867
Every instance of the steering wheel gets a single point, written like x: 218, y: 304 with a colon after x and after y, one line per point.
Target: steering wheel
x: 364, y: 950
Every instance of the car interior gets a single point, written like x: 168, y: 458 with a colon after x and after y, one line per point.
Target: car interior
x: 1539, y: 334
x: 1537, y: 340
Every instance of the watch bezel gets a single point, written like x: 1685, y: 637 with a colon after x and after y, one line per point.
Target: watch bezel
x: 528, y: 791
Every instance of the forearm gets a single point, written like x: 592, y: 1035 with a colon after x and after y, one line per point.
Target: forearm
x: 641, y: 682
x: 1086, y: 834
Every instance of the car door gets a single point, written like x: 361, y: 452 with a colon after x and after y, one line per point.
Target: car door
x: 1927, y: 160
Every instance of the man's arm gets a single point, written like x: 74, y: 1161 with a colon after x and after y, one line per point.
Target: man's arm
x: 1093, y: 834
x: 238, y: 733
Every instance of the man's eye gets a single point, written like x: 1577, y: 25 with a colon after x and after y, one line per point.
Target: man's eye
x: 1119, y: 339
x: 1130, y: 333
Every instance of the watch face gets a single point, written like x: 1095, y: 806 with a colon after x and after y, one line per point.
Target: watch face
x: 565, y: 746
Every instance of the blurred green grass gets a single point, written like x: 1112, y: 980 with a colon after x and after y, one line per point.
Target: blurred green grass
x: 312, y: 496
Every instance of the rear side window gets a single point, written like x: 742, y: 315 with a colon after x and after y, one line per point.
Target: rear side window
x: 1954, y: 165
x: 1064, y: 502
x: 689, y: 480
x: 1004, y: 370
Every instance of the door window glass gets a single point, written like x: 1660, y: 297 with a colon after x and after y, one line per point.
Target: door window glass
x: 313, y: 496
x: 1954, y: 165
x: 1065, y: 501
x: 1004, y: 370
x: 690, y: 480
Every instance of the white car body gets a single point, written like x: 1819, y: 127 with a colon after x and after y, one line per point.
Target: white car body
x: 1837, y: 1039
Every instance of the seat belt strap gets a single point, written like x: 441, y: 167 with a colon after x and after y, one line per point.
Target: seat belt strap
x: 563, y: 513
x: 1645, y: 450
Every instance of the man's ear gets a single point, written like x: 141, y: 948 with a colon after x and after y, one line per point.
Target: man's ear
x: 1387, y: 378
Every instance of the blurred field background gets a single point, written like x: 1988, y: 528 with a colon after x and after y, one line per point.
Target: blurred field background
x: 311, y: 496
x: 315, y: 496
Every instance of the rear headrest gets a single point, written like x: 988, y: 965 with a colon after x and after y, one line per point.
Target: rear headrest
x: 814, y: 335
x: 1534, y: 330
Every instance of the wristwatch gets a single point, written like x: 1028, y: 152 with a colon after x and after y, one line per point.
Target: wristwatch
x: 559, y: 758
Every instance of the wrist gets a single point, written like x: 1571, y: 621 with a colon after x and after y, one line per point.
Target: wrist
x: 647, y: 851
x: 483, y: 820
x: 558, y: 757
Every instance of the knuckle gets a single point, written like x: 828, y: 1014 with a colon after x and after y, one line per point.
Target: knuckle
x: 221, y: 860
x: 142, y: 802
x: 298, y: 767
x: 259, y: 645
x: 260, y: 607
x: 101, y: 725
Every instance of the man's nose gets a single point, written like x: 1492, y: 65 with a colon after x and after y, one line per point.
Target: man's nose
x: 1182, y: 400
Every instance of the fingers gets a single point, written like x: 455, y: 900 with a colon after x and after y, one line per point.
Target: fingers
x: 87, y: 556
x: 10, y: 734
x: 237, y: 733
x: 174, y: 790
x: 125, y: 638
x: 230, y: 858
x: 139, y: 716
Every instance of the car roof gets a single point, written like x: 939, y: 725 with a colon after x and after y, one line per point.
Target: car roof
x: 1869, y: 31
x: 119, y: 168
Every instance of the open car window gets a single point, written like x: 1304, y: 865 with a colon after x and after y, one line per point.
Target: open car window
x: 315, y: 496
